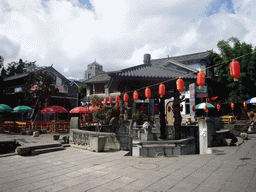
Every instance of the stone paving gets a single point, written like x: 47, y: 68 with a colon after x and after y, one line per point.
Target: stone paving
x: 75, y: 170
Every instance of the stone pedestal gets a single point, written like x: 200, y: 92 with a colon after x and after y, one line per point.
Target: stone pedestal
x: 147, y: 137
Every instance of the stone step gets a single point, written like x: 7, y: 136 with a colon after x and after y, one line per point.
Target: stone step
x: 28, y: 149
x: 46, y: 150
x: 43, y: 146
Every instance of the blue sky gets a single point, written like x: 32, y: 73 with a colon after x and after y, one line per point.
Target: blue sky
x: 215, y: 7
x: 86, y: 3
x: 67, y: 34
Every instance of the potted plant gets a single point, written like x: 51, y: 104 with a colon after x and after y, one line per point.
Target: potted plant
x: 102, y: 117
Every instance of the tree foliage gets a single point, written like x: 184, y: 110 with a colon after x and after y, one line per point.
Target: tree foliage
x: 82, y: 91
x: 245, y: 55
x: 18, y: 67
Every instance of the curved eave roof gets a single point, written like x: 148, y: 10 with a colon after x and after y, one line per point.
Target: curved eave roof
x: 149, y: 71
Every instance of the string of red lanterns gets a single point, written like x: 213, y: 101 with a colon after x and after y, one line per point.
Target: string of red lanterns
x: 135, y: 96
x: 235, y: 70
x: 125, y: 98
x: 161, y: 90
x: 180, y: 85
x: 200, y: 79
x: 147, y: 93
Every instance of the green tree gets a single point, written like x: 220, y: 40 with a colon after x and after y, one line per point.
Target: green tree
x: 82, y: 91
x: 232, y: 48
x: 44, y: 88
x: 19, y: 67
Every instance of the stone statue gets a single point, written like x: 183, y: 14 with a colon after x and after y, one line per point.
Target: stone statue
x: 147, y: 126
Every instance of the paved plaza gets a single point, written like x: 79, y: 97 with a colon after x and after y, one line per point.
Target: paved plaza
x: 75, y: 170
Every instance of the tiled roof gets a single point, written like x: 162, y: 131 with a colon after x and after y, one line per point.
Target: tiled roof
x: 101, y: 77
x: 150, y: 71
x: 182, y: 58
x: 15, y: 76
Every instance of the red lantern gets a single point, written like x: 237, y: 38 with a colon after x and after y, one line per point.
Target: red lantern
x: 125, y: 98
x: 147, y: 93
x: 205, y: 108
x: 200, y: 79
x: 180, y: 85
x: 232, y: 106
x: 117, y: 105
x: 142, y: 108
x: 161, y: 90
x: 218, y: 107
x: 135, y: 95
x: 117, y: 99
x: 235, y: 70
x: 110, y: 100
x: 105, y: 102
x: 193, y: 108
x: 245, y: 104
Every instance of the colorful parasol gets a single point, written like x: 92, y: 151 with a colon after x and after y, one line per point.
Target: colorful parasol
x: 201, y: 106
x: 54, y: 109
x: 79, y: 110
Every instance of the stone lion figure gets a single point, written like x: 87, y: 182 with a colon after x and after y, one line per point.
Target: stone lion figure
x: 147, y: 126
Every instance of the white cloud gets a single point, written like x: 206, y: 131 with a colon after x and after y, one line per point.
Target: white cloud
x: 117, y: 32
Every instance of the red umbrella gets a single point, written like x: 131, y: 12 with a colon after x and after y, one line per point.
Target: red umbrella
x: 79, y: 110
x: 91, y: 108
x: 54, y: 109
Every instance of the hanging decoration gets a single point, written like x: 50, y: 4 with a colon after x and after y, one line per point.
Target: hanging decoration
x: 161, y: 90
x: 147, y: 93
x: 117, y: 105
x: 232, y: 106
x: 200, y: 79
x: 125, y: 98
x: 245, y: 104
x: 180, y: 85
x: 234, y: 70
x: 218, y: 107
x: 117, y: 99
x: 110, y: 100
x: 193, y: 108
x: 135, y: 96
x: 205, y: 108
x: 142, y: 108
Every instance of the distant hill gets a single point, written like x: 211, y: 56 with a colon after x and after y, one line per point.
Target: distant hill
x: 80, y: 80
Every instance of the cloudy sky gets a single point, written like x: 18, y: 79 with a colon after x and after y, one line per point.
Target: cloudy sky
x: 70, y: 34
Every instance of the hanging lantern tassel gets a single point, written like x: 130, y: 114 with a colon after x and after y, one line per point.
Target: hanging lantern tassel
x: 234, y: 70
x: 161, y: 90
x: 147, y: 93
x: 205, y: 108
x: 180, y: 85
x: 135, y: 96
x: 200, y: 79
x: 245, y: 104
x: 218, y: 107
